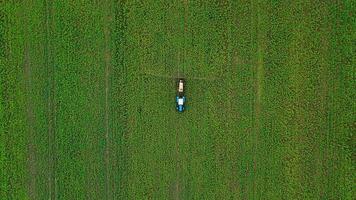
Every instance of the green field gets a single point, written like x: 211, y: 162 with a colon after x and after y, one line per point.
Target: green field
x: 87, y: 108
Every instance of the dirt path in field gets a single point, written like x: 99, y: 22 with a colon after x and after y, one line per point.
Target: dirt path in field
x: 258, y: 85
x: 31, y: 154
x: 30, y: 116
x: 177, y: 188
x: 186, y: 4
x: 257, y: 114
x: 51, y: 104
x: 107, y: 59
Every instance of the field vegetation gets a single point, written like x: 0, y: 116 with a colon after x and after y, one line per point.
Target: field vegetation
x: 87, y: 94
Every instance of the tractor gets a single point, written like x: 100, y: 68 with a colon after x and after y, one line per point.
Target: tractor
x: 180, y: 98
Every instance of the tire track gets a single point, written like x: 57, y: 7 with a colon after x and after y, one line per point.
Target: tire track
x: 185, y: 3
x: 234, y: 62
x: 176, y: 184
x: 31, y: 121
x: 51, y: 103
x: 258, y: 85
x: 30, y: 117
x: 122, y: 82
x: 179, y: 162
x: 107, y: 59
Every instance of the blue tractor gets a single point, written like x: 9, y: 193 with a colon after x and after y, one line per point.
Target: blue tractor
x: 180, y: 98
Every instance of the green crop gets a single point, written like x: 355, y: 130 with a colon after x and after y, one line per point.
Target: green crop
x: 87, y: 99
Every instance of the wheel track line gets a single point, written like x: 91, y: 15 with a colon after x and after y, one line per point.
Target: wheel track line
x: 257, y: 77
x: 31, y: 121
x: 50, y: 105
x: 107, y: 59
x: 232, y: 61
x: 185, y: 2
x: 178, y: 167
x: 176, y: 193
x: 323, y: 154
x: 178, y: 152
x: 120, y: 157
x: 30, y: 117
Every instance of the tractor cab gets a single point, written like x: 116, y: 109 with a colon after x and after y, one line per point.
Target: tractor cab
x: 180, y: 98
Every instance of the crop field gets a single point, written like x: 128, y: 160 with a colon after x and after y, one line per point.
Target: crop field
x: 87, y: 99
